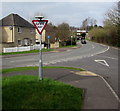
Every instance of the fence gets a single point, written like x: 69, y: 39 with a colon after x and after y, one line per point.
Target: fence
x: 20, y: 49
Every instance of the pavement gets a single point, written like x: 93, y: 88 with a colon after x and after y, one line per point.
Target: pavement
x: 98, y: 95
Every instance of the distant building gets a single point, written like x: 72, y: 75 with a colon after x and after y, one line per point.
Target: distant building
x: 16, y: 32
x: 80, y: 31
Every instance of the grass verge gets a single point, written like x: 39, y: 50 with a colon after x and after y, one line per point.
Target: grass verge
x: 34, y: 68
x: 24, y: 52
x: 26, y: 92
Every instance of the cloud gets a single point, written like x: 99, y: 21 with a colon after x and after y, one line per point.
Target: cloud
x: 59, y: 0
x: 57, y: 12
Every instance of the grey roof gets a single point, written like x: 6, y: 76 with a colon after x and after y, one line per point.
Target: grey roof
x: 15, y: 20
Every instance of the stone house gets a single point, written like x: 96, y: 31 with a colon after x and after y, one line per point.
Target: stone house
x: 37, y: 37
x: 16, y: 32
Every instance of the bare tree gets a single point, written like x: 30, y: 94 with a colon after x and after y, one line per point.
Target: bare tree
x: 50, y: 31
x: 63, y: 31
x: 88, y: 23
x: 85, y: 23
x: 93, y: 22
x: 112, y: 17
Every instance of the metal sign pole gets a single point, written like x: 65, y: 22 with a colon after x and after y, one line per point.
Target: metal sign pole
x: 48, y: 42
x: 40, y: 60
x: 71, y: 40
x: 40, y: 25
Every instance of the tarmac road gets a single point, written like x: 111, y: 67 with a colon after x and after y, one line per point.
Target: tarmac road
x: 87, y: 50
x: 108, y: 69
x: 100, y: 59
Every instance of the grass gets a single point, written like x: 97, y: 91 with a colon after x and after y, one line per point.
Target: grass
x: 24, y: 52
x: 34, y: 68
x: 26, y: 92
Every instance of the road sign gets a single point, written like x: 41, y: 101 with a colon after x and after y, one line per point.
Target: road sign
x: 40, y: 25
x: 48, y: 37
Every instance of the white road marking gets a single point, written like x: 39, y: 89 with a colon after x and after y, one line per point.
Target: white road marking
x: 109, y: 57
x: 103, y: 51
x: 103, y: 62
x: 93, y: 46
x: 114, y: 93
x: 88, y: 73
x: 71, y: 59
x: 67, y: 59
x: 69, y: 50
x: 12, y: 61
x: 23, y: 60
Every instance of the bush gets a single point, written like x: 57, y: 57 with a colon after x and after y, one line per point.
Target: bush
x: 68, y: 42
x: 62, y: 43
x: 108, y: 35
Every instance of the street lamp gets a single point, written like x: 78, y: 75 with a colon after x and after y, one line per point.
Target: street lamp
x: 40, y: 60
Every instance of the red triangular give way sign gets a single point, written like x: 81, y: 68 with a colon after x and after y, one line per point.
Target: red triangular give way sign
x: 40, y: 25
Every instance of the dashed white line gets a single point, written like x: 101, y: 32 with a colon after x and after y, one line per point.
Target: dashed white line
x: 109, y: 57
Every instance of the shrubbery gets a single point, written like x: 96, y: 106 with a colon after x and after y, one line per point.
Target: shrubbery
x: 108, y: 35
x: 68, y: 42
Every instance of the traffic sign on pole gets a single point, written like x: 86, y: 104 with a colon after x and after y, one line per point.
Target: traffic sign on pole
x: 40, y: 25
x: 48, y: 42
x: 48, y: 37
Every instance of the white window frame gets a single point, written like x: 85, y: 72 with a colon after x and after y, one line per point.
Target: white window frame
x: 26, y: 42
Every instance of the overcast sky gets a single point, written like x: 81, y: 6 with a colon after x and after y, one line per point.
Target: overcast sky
x: 72, y: 13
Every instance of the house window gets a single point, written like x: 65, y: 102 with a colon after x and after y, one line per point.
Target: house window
x: 31, y: 42
x: 19, y: 42
x: 36, y: 41
x: 26, y: 42
x: 19, y: 30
